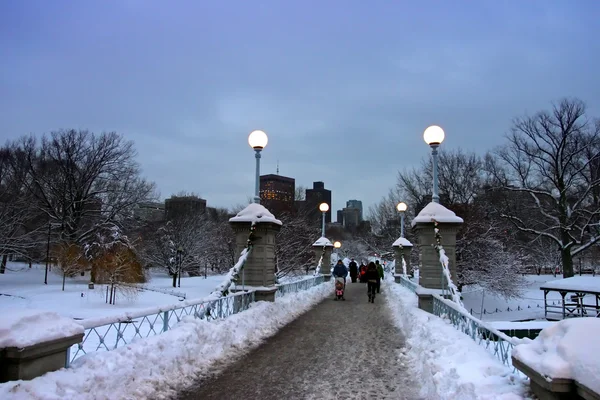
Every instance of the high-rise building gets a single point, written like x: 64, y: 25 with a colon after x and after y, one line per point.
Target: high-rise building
x: 317, y: 195
x: 351, y: 217
x: 340, y: 217
x: 184, y: 206
x: 277, y: 193
x: 358, y: 205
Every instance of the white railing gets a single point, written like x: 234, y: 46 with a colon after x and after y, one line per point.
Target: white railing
x: 296, y: 286
x: 496, y: 342
x: 407, y: 283
x: 108, y: 333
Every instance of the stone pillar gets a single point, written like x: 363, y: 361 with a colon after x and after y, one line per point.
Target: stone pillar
x: 259, y: 269
x: 402, y: 248
x: 430, y: 271
x: 318, y: 246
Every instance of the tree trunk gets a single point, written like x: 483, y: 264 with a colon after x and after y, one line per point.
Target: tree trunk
x: 175, y: 279
x: 3, y: 263
x: 93, y: 273
x: 64, y: 278
x: 567, y: 263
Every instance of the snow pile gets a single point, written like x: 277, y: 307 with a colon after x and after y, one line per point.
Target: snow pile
x: 402, y: 242
x: 575, y: 283
x: 163, y: 365
x: 448, y: 363
x: 255, y: 213
x: 567, y: 349
x: 322, y: 242
x: 435, y: 211
x: 21, y: 328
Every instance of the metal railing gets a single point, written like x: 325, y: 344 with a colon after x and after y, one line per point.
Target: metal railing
x: 103, y: 334
x: 304, y: 284
x: 407, y: 283
x: 496, y: 342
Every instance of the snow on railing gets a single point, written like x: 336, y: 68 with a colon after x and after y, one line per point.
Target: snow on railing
x: 233, y: 274
x: 320, y: 263
x: 497, y: 343
x: 445, y: 261
x: 407, y: 283
x: 296, y: 286
x: 108, y: 333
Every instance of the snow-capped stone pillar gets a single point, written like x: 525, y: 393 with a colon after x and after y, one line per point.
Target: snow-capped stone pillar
x: 323, y: 247
x: 402, y: 248
x: 259, y: 269
x: 430, y: 272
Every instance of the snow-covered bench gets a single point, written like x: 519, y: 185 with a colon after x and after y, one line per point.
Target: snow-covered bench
x: 563, y: 362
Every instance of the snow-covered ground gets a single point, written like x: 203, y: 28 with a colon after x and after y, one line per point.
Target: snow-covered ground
x: 528, y: 306
x: 448, y: 363
x: 22, y: 287
x: 155, y: 367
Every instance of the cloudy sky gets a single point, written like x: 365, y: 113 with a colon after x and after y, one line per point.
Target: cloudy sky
x: 343, y: 88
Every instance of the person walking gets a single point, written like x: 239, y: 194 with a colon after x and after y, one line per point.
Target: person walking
x: 362, y: 273
x: 353, y: 270
x: 380, y: 272
x: 373, y: 281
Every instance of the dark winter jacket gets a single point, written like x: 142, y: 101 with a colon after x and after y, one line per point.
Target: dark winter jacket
x: 340, y: 271
x: 353, y: 268
x: 373, y: 274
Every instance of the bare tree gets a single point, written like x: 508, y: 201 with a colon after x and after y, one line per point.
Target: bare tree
x: 294, y: 253
x: 300, y: 193
x: 553, y: 158
x: 82, y: 181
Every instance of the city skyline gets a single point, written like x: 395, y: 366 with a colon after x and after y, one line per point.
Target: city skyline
x: 344, y: 89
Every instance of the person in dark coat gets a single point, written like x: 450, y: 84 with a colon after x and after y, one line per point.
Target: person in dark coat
x: 373, y: 281
x: 353, y: 270
x: 340, y: 271
x: 380, y: 271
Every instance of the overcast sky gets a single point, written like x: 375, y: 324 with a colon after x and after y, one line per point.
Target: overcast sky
x: 343, y: 88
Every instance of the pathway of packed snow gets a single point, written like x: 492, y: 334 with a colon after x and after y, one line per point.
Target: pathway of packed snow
x: 338, y: 350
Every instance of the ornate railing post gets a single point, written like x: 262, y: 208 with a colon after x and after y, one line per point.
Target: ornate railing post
x: 402, y: 249
x: 322, y: 249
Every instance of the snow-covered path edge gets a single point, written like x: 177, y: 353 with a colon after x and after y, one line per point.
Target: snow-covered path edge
x: 447, y: 363
x: 160, y: 366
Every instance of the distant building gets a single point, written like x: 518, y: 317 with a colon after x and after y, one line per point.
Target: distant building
x: 277, y: 193
x: 317, y: 195
x: 150, y: 211
x: 183, y: 206
x: 340, y: 217
x: 351, y: 218
x: 358, y: 205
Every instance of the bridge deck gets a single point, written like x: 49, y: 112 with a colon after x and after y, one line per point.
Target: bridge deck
x: 337, y: 350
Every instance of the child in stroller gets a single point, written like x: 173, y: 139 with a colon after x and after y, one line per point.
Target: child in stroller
x: 340, y: 284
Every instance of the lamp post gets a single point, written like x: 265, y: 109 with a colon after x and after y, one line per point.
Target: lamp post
x: 323, y: 207
x: 434, y: 136
x: 258, y: 141
x: 180, y: 260
x: 337, y: 246
x: 401, y: 207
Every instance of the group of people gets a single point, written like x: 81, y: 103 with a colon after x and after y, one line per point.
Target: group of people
x: 371, y: 274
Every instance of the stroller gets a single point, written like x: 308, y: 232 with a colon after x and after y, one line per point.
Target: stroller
x: 340, y: 286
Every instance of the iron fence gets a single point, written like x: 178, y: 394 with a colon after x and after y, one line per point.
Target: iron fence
x: 407, y: 283
x: 101, y: 335
x: 494, y: 341
x: 297, y: 286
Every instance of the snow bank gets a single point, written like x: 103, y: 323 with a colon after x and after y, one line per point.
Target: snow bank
x: 21, y: 328
x: 438, y: 212
x: 161, y: 366
x: 448, y: 363
x: 255, y: 213
x: 575, y: 283
x: 568, y: 349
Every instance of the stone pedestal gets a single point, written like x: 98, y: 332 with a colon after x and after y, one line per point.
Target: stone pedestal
x: 430, y: 271
x: 402, y: 249
x: 260, y: 268
x: 32, y: 361
x: 318, y: 247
